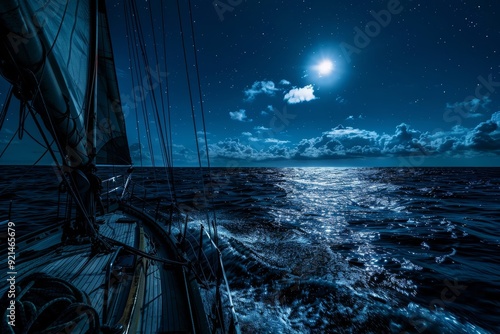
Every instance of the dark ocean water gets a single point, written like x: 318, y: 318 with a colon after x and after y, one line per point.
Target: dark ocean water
x: 327, y: 250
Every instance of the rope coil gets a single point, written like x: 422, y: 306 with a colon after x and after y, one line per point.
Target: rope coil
x: 49, y: 305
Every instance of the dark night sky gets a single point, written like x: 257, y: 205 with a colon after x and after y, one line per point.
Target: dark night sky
x: 417, y: 87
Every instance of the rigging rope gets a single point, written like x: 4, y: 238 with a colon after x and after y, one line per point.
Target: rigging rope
x: 169, y: 108
x: 49, y: 305
x: 202, y: 111
x: 188, y: 79
x: 22, y: 118
x: 31, y: 108
x: 165, y: 143
x: 191, y: 100
x: 51, y: 128
x: 58, y: 144
x: 162, y: 137
x: 207, y: 197
x: 135, y: 56
x: 205, y: 193
x: 71, y: 183
x: 12, y: 138
x: 130, y: 35
x: 167, y: 88
x: 136, y: 251
x: 148, y: 67
x: 160, y: 84
x: 6, y: 106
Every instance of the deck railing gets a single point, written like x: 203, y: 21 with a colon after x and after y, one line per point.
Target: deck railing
x: 193, y: 239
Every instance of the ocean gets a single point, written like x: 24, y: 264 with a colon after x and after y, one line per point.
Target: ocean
x: 334, y: 250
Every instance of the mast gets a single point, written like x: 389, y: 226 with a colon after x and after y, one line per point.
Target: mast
x: 92, y: 111
x: 57, y: 57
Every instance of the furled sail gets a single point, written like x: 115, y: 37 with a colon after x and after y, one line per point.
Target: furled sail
x: 45, y: 55
x: 111, y: 138
x: 48, y: 53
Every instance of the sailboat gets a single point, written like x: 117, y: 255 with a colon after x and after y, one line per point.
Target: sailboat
x: 115, y: 263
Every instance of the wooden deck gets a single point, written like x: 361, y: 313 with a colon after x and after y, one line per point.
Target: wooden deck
x: 164, y: 305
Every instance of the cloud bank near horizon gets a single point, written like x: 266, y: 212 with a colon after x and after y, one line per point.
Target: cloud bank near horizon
x: 354, y: 143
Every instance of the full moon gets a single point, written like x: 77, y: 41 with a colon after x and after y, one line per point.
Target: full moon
x: 325, y: 67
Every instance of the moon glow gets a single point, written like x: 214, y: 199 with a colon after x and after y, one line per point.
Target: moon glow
x: 325, y: 67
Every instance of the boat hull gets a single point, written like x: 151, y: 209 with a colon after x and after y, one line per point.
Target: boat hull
x: 127, y: 291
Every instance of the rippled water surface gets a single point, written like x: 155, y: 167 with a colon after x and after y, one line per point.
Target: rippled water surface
x: 327, y: 250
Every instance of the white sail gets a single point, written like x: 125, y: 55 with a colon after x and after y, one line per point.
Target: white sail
x: 111, y: 138
x: 49, y: 55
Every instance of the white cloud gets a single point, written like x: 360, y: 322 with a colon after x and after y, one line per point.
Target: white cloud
x: 139, y: 153
x: 496, y: 117
x: 470, y: 108
x: 298, y: 95
x: 234, y: 149
x: 231, y: 148
x: 285, y: 82
x: 485, y: 136
x: 260, y: 87
x: 182, y: 153
x: 261, y: 128
x: 276, y: 141
x: 351, y: 143
x: 238, y: 115
x: 339, y: 142
x: 340, y: 100
x: 202, y: 133
x: 270, y: 108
